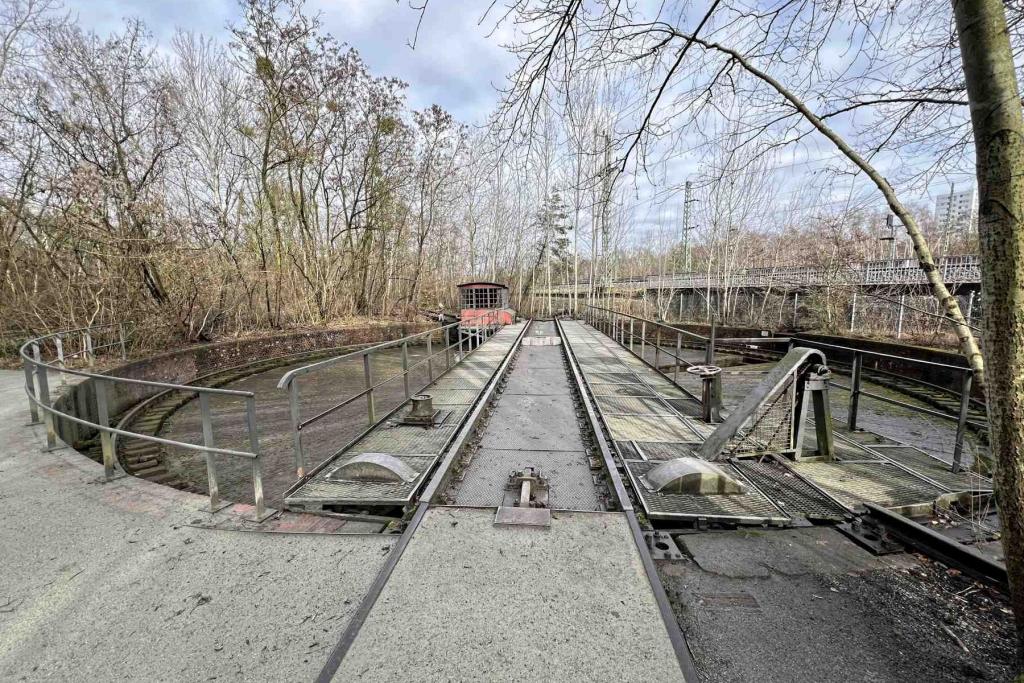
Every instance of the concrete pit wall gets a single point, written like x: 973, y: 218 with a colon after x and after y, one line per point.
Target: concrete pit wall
x: 186, y: 365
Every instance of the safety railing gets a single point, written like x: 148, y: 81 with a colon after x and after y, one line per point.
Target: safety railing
x: 470, y: 334
x: 631, y: 331
x: 44, y: 408
x: 964, y: 374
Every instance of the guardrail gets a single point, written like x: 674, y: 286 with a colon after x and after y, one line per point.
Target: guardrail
x: 469, y: 337
x: 37, y: 388
x: 613, y: 323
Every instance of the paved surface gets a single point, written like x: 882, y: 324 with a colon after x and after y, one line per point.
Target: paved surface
x: 105, y: 581
x: 808, y: 605
x: 472, y: 601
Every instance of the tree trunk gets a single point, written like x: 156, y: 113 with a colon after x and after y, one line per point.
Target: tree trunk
x: 999, y: 148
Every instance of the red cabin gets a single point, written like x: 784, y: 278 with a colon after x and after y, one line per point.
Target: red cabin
x: 484, y: 304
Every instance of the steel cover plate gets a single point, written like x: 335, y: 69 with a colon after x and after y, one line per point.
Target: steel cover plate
x: 324, y: 491
x: 747, y: 508
x: 879, y: 482
x: 935, y: 469
x: 789, y: 491
x: 627, y: 405
x: 647, y: 428
x: 405, y: 440
x: 568, y: 473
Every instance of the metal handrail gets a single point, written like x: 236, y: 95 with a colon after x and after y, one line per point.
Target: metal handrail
x: 37, y: 388
x: 487, y: 324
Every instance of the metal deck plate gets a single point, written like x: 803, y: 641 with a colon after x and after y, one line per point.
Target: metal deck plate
x: 648, y: 428
x: 511, y: 516
x: 881, y: 483
x: 545, y: 422
x: 612, y: 378
x: 627, y: 405
x: 452, y: 397
x: 789, y: 492
x: 405, y: 440
x: 568, y: 473
x: 653, y: 450
x: 935, y: 469
x: 747, y: 508
x: 620, y: 390
x: 321, y: 490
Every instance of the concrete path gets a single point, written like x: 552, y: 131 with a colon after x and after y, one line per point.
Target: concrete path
x: 107, y: 581
x: 469, y: 600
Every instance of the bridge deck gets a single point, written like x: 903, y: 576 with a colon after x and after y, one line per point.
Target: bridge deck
x: 470, y: 600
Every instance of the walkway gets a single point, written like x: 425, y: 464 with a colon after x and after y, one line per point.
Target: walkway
x: 472, y: 600
x: 108, y: 580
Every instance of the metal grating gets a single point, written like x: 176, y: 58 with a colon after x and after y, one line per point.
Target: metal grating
x: 627, y: 405
x: 568, y: 474
x: 450, y: 397
x: 881, y: 483
x: 612, y: 378
x: 405, y: 440
x: 620, y: 390
x: 666, y: 451
x: 647, y: 428
x: 935, y: 469
x: 747, y: 508
x: 686, y: 406
x: 323, y: 491
x: 770, y: 429
x: 789, y: 492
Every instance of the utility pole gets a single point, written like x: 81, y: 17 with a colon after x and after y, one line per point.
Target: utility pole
x: 947, y: 224
x: 687, y: 189
x: 890, y: 238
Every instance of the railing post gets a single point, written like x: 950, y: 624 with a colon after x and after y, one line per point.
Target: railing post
x: 858, y: 362
x: 59, y: 344
x: 447, y: 349
x: 657, y: 349
x: 961, y: 423
x: 121, y: 338
x: 430, y: 358
x: 630, y: 334
x: 30, y: 387
x: 405, y: 368
x: 709, y: 347
x: 679, y: 353
x: 44, y: 399
x: 90, y: 355
x: 106, y: 438
x: 254, y: 447
x: 211, y: 465
x: 368, y: 377
x: 462, y: 353
x: 294, y: 411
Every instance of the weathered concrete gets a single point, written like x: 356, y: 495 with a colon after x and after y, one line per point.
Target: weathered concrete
x: 472, y: 601
x: 104, y: 581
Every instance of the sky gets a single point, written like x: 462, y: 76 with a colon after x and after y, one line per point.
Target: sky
x: 455, y: 63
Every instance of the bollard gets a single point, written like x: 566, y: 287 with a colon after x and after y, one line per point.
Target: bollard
x: 368, y: 377
x: 858, y: 363
x: 106, y: 438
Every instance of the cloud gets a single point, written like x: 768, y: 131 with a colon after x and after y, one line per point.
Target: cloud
x: 455, y: 64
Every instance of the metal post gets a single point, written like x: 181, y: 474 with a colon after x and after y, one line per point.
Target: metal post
x: 254, y: 447
x: 858, y: 363
x: 630, y: 334
x: 106, y: 438
x: 709, y: 347
x: 899, y: 319
x: 853, y: 312
x: 796, y: 304
x: 30, y: 387
x: 447, y: 349
x: 657, y: 349
x: 211, y: 466
x: 430, y: 357
x: 89, y: 354
x: 970, y: 306
x: 405, y: 368
x: 59, y: 343
x: 643, y: 338
x: 294, y: 410
x: 368, y: 376
x: 44, y: 399
x: 679, y: 353
x: 462, y: 353
x: 961, y: 423
x: 121, y: 338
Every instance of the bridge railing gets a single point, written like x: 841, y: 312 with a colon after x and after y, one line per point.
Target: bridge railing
x: 94, y: 409
x: 964, y: 375
x: 469, y: 334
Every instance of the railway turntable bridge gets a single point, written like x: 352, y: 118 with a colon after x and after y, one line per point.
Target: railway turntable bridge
x: 565, y: 499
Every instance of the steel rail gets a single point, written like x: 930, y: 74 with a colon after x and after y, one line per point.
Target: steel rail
x: 355, y: 624
x: 668, y: 617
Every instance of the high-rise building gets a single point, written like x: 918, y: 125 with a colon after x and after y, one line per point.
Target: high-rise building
x: 957, y: 210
